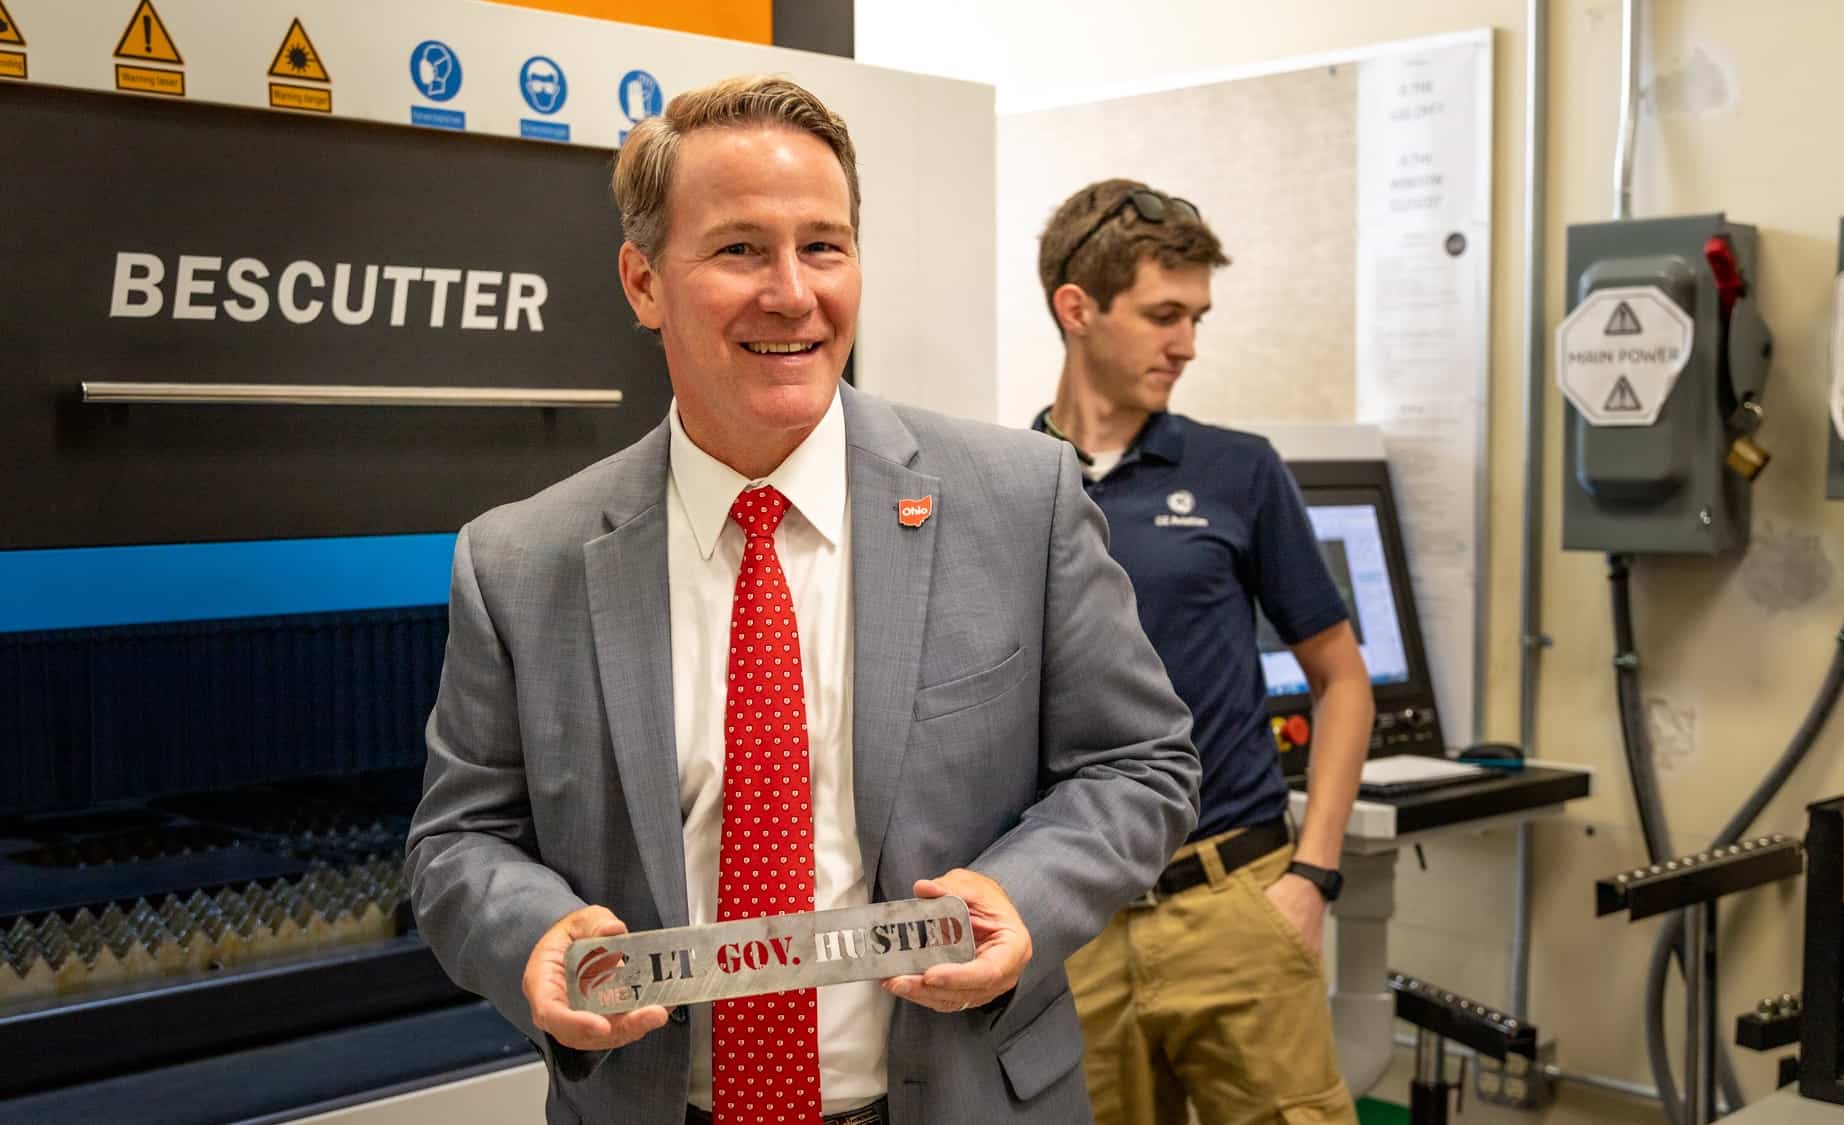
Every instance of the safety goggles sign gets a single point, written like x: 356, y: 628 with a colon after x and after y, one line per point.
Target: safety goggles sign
x: 1620, y: 352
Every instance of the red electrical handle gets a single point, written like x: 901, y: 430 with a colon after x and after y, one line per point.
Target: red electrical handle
x: 1727, y: 271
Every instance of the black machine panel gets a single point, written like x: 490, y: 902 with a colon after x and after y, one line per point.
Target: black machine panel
x: 1353, y: 509
x: 1812, y: 1019
x: 1821, y: 1042
x: 151, y: 241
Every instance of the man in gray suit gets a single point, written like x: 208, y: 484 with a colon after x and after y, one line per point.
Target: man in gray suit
x: 886, y: 648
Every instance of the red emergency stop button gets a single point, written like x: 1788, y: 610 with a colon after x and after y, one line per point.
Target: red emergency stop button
x: 1299, y: 731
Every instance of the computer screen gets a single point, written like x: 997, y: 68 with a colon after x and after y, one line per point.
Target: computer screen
x: 1348, y: 523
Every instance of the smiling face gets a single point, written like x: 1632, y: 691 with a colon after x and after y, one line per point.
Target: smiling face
x: 755, y: 290
x: 1135, y: 351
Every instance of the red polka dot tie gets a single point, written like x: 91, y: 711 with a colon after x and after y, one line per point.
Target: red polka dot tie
x: 765, y: 1064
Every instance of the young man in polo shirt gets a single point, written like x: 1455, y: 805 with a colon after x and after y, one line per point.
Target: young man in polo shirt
x: 1211, y: 989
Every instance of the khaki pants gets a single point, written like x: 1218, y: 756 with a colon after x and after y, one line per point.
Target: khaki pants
x: 1210, y: 995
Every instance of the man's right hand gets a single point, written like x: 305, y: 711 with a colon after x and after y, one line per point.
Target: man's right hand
x: 549, y: 997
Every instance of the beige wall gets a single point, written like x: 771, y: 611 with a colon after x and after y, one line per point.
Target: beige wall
x: 1736, y: 119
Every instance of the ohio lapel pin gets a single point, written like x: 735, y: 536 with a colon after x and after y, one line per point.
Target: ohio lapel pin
x: 912, y: 513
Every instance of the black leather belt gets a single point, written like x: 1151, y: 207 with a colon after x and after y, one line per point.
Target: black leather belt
x: 877, y: 1113
x: 1239, y: 850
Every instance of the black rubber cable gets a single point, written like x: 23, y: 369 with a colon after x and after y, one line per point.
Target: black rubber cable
x: 1636, y: 740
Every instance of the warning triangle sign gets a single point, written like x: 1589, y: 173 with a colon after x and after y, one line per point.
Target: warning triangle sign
x: 296, y: 57
x: 145, y: 38
x: 1622, y: 322
x: 9, y: 31
x: 1622, y: 399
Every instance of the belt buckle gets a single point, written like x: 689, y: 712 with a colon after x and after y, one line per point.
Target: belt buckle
x: 864, y: 1115
x: 1145, y: 900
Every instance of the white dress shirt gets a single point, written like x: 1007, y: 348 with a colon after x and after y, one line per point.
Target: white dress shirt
x: 704, y: 551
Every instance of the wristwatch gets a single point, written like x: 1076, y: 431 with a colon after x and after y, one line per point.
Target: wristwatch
x: 1327, y: 880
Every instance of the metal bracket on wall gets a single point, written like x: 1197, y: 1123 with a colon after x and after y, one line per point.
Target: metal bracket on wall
x: 1490, y: 1032
x: 1692, y: 879
x: 330, y: 394
x: 1773, y: 1024
x: 1494, y: 1038
x: 1695, y: 884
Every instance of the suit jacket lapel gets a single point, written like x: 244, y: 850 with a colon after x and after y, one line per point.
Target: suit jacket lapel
x: 631, y: 615
x: 891, y: 570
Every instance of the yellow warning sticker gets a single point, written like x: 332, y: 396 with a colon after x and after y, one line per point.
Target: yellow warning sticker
x: 9, y: 30
x: 146, y: 38
x: 146, y: 80
x: 296, y: 57
x: 315, y: 98
x: 12, y: 64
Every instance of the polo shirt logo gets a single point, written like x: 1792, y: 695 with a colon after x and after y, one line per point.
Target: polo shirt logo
x: 1182, y: 503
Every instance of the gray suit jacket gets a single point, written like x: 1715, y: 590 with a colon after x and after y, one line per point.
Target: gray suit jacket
x: 1009, y: 716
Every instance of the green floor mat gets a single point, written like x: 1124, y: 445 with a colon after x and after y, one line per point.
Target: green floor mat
x: 1373, y: 1112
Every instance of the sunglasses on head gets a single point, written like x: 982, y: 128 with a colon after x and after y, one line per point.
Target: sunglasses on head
x: 1150, y: 206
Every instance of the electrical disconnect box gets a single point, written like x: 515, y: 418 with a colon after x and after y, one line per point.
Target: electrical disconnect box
x: 1834, y: 399
x: 1662, y: 361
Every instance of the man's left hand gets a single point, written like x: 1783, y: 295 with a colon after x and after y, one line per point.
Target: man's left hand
x: 1001, y: 948
x: 1301, y: 904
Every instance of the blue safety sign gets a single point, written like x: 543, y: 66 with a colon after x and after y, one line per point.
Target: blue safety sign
x: 542, y: 84
x: 436, y: 70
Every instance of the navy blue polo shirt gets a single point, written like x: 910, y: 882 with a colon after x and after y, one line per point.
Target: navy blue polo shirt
x: 1208, y: 523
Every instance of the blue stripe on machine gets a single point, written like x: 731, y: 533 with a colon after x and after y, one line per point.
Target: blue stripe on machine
x: 96, y: 586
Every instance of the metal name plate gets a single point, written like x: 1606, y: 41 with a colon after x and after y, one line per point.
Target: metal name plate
x: 693, y: 964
